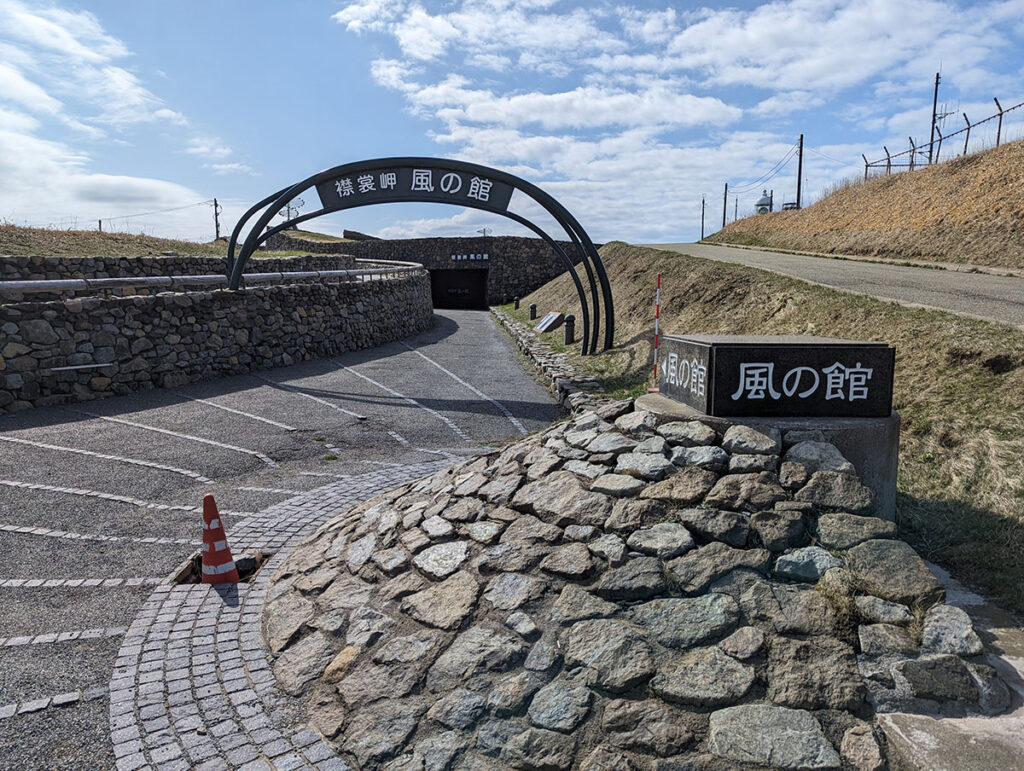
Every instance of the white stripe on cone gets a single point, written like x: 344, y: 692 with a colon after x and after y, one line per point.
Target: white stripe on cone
x: 212, y: 570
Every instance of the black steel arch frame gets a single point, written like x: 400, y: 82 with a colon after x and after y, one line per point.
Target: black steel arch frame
x: 582, y: 245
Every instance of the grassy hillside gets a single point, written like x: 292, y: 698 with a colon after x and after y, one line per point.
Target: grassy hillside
x: 969, y: 210
x: 21, y: 242
x: 959, y: 388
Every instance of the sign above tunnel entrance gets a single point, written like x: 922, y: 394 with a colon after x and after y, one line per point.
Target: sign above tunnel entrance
x: 412, y: 184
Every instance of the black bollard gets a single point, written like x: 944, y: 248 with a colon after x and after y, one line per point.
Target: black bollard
x: 570, y: 329
x: 533, y: 311
x: 516, y: 303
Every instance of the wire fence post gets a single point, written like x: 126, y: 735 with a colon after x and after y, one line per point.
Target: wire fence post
x: 865, y: 166
x: 913, y: 152
x: 888, y: 161
x: 967, y: 137
x: 938, y: 150
x: 999, y: 126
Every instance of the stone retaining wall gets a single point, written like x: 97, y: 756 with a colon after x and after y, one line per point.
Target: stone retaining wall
x: 516, y: 266
x: 38, y: 268
x: 126, y: 344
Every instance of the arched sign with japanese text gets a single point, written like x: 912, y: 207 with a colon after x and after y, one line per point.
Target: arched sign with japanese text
x: 436, y: 180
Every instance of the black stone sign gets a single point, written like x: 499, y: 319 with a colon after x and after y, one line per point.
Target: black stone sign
x: 752, y: 376
x: 551, y: 321
x: 408, y: 183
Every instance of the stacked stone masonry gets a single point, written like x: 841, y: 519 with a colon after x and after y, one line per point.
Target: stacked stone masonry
x: 117, y: 345
x: 516, y: 266
x: 56, y: 268
x: 619, y: 593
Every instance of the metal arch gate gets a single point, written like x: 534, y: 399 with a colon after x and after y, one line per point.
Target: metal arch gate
x: 435, y: 180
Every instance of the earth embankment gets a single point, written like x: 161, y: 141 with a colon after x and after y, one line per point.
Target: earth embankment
x: 969, y: 210
x: 958, y: 387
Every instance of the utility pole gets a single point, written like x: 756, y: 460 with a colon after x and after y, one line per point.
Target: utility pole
x: 799, y: 169
x: 771, y: 201
x: 101, y: 226
x: 725, y: 203
x: 216, y: 219
x: 735, y: 208
x: 702, y: 218
x: 935, y: 109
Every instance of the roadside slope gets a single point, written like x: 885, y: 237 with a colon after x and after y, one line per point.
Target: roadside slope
x: 959, y: 389
x: 969, y: 210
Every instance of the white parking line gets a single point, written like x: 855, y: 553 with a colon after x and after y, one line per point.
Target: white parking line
x: 70, y: 536
x: 276, y: 490
x: 60, y: 700
x: 504, y: 410
x: 49, y: 638
x: 76, y: 583
x: 179, y: 435
x: 111, y: 497
x: 134, y: 461
x: 447, y: 421
x: 249, y: 415
x: 317, y: 399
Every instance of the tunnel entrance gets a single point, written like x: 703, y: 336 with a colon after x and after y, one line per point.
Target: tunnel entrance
x: 459, y: 288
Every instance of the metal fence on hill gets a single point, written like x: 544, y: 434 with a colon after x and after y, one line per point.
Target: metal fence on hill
x: 931, y: 152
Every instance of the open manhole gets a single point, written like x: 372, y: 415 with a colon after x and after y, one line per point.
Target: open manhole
x: 191, y: 570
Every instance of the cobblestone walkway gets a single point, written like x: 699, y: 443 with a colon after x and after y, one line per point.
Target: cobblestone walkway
x: 192, y: 685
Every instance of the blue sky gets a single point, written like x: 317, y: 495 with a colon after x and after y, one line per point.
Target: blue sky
x: 627, y: 112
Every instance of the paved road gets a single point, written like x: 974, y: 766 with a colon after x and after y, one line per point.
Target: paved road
x: 99, y: 505
x: 978, y: 295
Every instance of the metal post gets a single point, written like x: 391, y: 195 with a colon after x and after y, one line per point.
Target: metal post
x: 938, y: 150
x: 101, y: 226
x: 913, y: 153
x: 968, y: 137
x: 655, y: 385
x: 516, y: 301
x: 570, y: 329
x: 216, y: 220
x: 533, y: 311
x: 999, y: 126
x: 725, y: 203
x: 799, y: 170
x: 935, y: 107
x: 888, y: 161
x: 865, y: 166
x: 702, y: 218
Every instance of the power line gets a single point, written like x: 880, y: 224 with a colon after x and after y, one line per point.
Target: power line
x: 159, y: 211
x: 829, y: 157
x: 769, y: 174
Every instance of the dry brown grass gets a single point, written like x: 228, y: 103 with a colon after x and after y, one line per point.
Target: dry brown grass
x: 969, y: 210
x: 959, y: 388
x: 22, y: 242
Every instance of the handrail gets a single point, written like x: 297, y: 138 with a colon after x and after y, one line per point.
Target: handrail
x: 394, y: 267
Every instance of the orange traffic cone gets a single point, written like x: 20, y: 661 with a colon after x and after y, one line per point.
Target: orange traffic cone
x: 218, y: 564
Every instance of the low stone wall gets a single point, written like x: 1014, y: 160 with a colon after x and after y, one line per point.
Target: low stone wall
x: 53, y: 268
x: 80, y: 349
x: 567, y: 383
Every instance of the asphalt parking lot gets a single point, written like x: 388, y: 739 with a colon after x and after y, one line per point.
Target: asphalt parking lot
x: 100, y: 501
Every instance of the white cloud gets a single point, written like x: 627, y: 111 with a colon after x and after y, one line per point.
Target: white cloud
x: 62, y: 77
x: 207, y: 147
x: 230, y: 168
x: 368, y: 15
x: 621, y: 109
x: 15, y: 87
